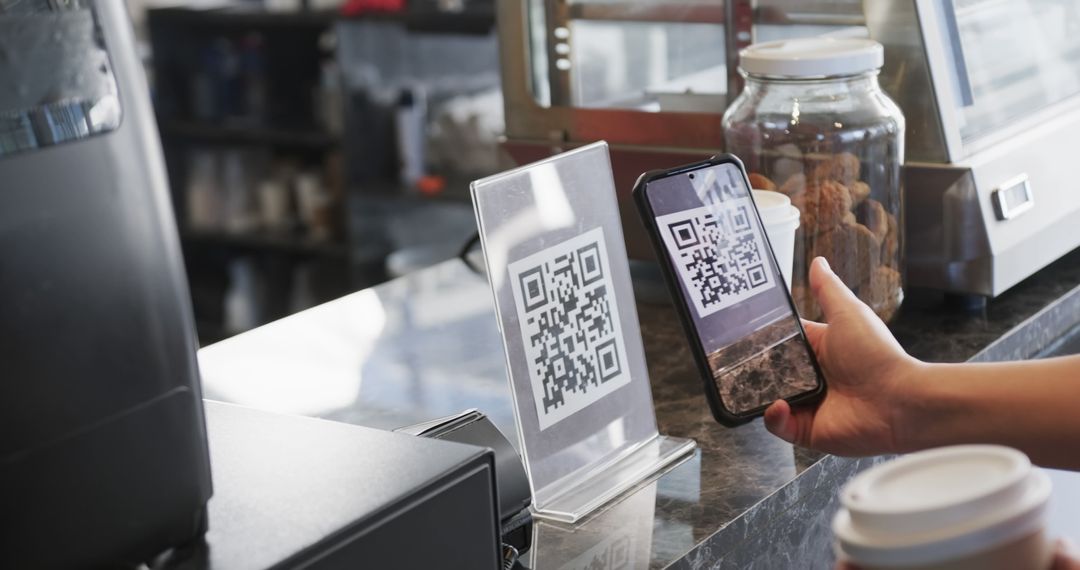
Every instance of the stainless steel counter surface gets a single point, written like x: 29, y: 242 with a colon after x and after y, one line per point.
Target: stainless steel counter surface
x: 415, y: 348
x: 427, y: 345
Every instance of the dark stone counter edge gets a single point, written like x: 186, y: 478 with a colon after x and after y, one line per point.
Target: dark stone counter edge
x: 788, y: 528
x: 1036, y: 333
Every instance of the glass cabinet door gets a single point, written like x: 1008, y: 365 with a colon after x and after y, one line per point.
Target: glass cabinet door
x: 1015, y: 57
x: 657, y: 55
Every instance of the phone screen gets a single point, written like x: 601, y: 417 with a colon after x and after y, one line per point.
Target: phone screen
x: 737, y: 300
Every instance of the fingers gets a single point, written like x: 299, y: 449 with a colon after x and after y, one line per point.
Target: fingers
x: 1066, y: 555
x: 779, y: 422
x: 792, y: 426
x: 829, y: 291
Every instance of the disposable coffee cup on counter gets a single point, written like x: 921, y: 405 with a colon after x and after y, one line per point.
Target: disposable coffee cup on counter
x: 781, y: 219
x: 953, y: 508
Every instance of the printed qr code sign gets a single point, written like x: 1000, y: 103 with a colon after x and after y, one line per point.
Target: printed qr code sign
x: 570, y: 327
x: 718, y: 253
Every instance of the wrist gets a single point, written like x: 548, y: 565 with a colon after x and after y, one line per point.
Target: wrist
x: 913, y: 397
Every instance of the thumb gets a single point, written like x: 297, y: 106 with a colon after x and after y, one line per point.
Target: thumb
x: 829, y: 291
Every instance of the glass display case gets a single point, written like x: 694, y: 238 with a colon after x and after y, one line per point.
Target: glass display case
x: 651, y: 77
x: 991, y: 92
x: 1012, y: 58
x: 989, y: 89
x: 655, y: 55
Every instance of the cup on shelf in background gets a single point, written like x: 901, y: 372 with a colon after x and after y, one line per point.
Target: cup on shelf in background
x: 274, y: 208
x: 313, y: 203
x: 328, y: 99
x: 238, y: 169
x: 243, y: 301
x: 253, y: 106
x: 410, y: 125
x: 203, y: 191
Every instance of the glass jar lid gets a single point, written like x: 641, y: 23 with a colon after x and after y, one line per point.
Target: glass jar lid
x: 805, y: 58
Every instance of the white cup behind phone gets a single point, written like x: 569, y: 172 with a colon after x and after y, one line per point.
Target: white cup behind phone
x: 964, y: 507
x: 781, y: 219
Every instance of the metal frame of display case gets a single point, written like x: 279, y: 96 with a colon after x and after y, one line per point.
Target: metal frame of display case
x: 962, y: 241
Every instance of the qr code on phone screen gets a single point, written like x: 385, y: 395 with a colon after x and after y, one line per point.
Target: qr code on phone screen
x: 570, y: 328
x: 718, y: 252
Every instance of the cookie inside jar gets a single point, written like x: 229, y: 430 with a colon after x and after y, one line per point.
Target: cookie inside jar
x: 842, y: 221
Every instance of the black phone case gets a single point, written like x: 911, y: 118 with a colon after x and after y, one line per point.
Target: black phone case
x: 682, y: 305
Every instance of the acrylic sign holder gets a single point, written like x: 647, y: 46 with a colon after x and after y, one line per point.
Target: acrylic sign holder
x: 556, y: 259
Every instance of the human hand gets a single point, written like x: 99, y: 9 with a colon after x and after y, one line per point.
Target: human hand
x: 866, y: 372
x: 1066, y: 555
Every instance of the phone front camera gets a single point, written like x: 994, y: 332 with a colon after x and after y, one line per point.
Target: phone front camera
x: 691, y: 177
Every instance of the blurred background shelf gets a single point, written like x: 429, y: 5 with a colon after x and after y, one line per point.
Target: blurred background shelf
x: 264, y: 242
x: 322, y: 124
x: 310, y: 138
x: 476, y: 20
x: 245, y: 17
x: 249, y: 102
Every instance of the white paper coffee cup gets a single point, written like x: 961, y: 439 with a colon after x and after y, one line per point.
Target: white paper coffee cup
x: 780, y: 219
x: 960, y: 507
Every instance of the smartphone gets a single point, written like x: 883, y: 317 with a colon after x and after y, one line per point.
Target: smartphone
x: 735, y: 307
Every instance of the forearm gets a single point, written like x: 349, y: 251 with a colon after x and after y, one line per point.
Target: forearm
x: 1033, y: 406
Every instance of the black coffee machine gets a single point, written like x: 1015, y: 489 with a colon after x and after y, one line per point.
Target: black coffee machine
x: 103, y: 457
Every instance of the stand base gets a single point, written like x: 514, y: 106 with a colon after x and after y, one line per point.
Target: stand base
x: 587, y: 493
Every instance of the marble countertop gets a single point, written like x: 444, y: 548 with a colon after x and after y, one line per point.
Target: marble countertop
x: 427, y: 345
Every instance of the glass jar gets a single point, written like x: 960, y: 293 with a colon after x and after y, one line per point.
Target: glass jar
x: 813, y: 123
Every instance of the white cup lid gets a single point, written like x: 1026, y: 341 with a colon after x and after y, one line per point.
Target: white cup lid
x: 775, y: 208
x: 940, y: 504
x: 812, y: 57
x: 768, y: 199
